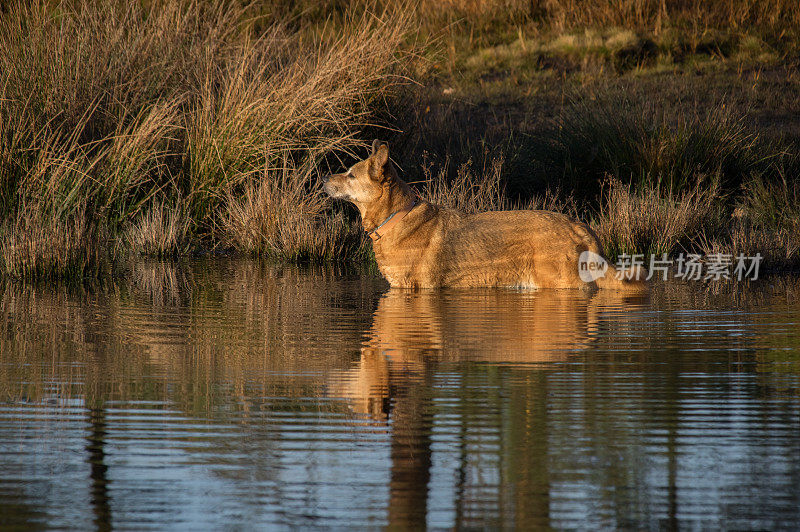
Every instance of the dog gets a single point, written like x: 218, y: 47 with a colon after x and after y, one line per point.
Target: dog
x: 421, y: 245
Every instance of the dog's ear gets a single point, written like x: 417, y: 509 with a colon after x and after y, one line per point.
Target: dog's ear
x: 378, y: 159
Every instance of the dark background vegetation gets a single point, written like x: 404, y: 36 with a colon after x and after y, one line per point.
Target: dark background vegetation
x: 171, y: 127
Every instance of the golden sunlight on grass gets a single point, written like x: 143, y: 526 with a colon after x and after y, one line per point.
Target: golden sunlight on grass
x: 180, y: 127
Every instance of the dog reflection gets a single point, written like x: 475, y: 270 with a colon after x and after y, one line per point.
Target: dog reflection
x: 413, y: 331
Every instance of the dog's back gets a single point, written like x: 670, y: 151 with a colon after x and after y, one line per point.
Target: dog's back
x: 420, y: 245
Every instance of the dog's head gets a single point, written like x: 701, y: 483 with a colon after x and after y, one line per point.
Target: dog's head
x: 363, y: 182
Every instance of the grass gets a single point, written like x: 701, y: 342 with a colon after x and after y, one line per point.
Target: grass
x: 160, y: 231
x: 158, y: 124
x: 284, y: 215
x: 654, y: 219
x: 176, y: 127
x: 766, y: 221
x: 473, y: 191
x: 36, y: 247
x: 468, y: 191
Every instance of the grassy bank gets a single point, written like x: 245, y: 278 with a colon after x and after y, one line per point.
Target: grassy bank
x: 177, y: 127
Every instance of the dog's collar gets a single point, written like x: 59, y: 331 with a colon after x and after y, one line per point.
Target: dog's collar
x: 392, y: 220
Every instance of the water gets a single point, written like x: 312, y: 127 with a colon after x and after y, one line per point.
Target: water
x: 232, y: 394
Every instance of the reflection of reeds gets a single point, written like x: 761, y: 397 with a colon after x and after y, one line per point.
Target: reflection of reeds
x: 163, y: 284
x: 41, y: 334
x: 198, y: 335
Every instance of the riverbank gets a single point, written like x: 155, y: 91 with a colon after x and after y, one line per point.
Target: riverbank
x: 180, y: 128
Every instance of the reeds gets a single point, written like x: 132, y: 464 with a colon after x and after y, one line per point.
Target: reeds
x: 766, y: 221
x: 640, y: 143
x: 155, y: 122
x: 285, y: 214
x: 653, y: 218
x: 468, y: 191
x: 160, y: 231
x: 701, y: 184
x: 35, y: 247
x: 167, y: 127
x: 472, y: 190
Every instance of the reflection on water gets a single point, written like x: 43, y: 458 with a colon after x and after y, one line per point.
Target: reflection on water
x: 230, y: 393
x: 413, y: 332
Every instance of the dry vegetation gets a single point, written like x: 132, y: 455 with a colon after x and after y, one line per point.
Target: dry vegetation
x: 186, y: 127
x: 182, y: 125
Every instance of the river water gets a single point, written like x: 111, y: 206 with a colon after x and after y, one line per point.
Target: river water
x: 231, y: 394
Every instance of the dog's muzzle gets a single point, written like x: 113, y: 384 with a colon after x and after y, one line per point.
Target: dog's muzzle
x: 326, y: 186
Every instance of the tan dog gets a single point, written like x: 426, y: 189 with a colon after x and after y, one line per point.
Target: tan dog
x: 421, y: 245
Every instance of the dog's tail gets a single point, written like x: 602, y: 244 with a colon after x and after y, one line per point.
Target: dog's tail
x: 631, y: 279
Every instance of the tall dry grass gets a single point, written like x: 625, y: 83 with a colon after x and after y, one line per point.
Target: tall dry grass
x: 286, y: 215
x: 639, y: 14
x: 153, y: 122
x: 634, y: 142
x: 654, y: 218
